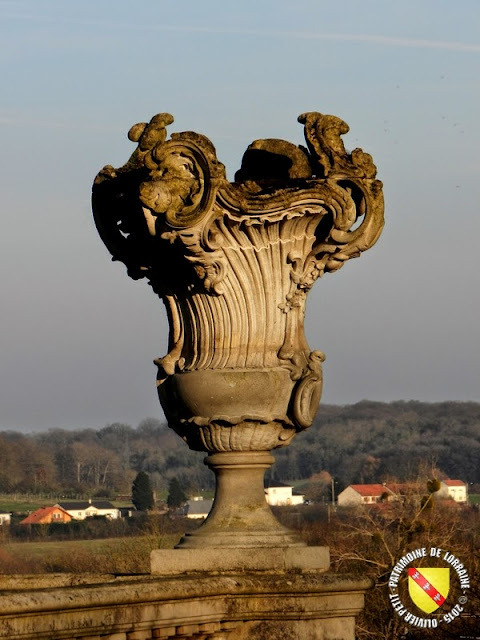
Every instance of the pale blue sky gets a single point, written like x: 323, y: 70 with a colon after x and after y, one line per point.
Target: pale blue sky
x: 399, y: 323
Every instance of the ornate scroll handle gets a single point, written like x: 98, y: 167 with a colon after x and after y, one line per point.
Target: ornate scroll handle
x: 309, y: 391
x: 328, y: 154
x: 167, y: 191
x: 178, y: 199
x: 116, y: 210
x: 148, y: 135
x: 182, y: 182
x: 168, y: 363
x: 365, y: 200
x: 355, y: 174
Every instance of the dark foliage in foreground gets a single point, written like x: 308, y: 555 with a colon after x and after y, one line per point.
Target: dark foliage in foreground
x: 370, y: 540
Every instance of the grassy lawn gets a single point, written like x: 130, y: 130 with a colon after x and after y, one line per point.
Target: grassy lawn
x: 110, y: 555
x: 22, y: 504
x: 474, y: 498
x: 44, y: 548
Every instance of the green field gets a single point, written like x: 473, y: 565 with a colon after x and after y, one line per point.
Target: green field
x: 22, y: 504
x: 111, y: 555
x: 44, y: 548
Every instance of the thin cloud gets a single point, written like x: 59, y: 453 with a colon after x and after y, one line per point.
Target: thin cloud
x: 414, y: 43
x: 387, y: 41
x: 390, y: 41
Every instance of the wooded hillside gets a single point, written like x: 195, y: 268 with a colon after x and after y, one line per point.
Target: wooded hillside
x: 374, y: 442
x: 364, y: 442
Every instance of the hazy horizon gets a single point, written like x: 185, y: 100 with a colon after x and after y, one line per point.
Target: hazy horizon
x: 162, y: 420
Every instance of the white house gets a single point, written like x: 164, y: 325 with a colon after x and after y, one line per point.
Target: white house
x: 198, y: 508
x: 356, y: 494
x: 279, y: 494
x: 79, y: 510
x: 455, y: 489
x: 5, y: 518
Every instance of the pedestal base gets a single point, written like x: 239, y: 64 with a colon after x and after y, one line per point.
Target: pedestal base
x: 167, y: 562
x: 240, y: 517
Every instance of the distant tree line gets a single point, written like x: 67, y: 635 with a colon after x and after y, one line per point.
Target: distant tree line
x: 377, y: 442
x: 359, y: 443
x: 99, y: 462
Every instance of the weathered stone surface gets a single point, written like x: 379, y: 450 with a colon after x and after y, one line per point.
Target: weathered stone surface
x: 240, y: 516
x: 274, y: 160
x: 51, y: 580
x: 235, y: 606
x: 233, y: 263
x: 168, y: 561
x: 334, y: 629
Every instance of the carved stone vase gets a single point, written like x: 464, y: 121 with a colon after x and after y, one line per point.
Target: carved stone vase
x: 233, y: 263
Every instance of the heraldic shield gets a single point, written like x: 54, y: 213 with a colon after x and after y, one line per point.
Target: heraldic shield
x: 428, y: 587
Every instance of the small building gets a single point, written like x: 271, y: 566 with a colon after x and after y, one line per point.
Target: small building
x: 357, y: 494
x: 5, y: 517
x: 279, y: 494
x: 127, y: 512
x: 455, y: 489
x: 197, y: 508
x: 47, y: 515
x: 79, y: 510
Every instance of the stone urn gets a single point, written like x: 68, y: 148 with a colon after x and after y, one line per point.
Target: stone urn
x: 233, y: 263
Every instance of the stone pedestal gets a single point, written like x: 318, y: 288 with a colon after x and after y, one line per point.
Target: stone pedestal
x: 277, y: 560
x: 240, y: 517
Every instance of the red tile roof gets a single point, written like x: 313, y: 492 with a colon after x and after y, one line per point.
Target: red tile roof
x: 366, y: 490
x: 41, y: 515
x: 454, y: 483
